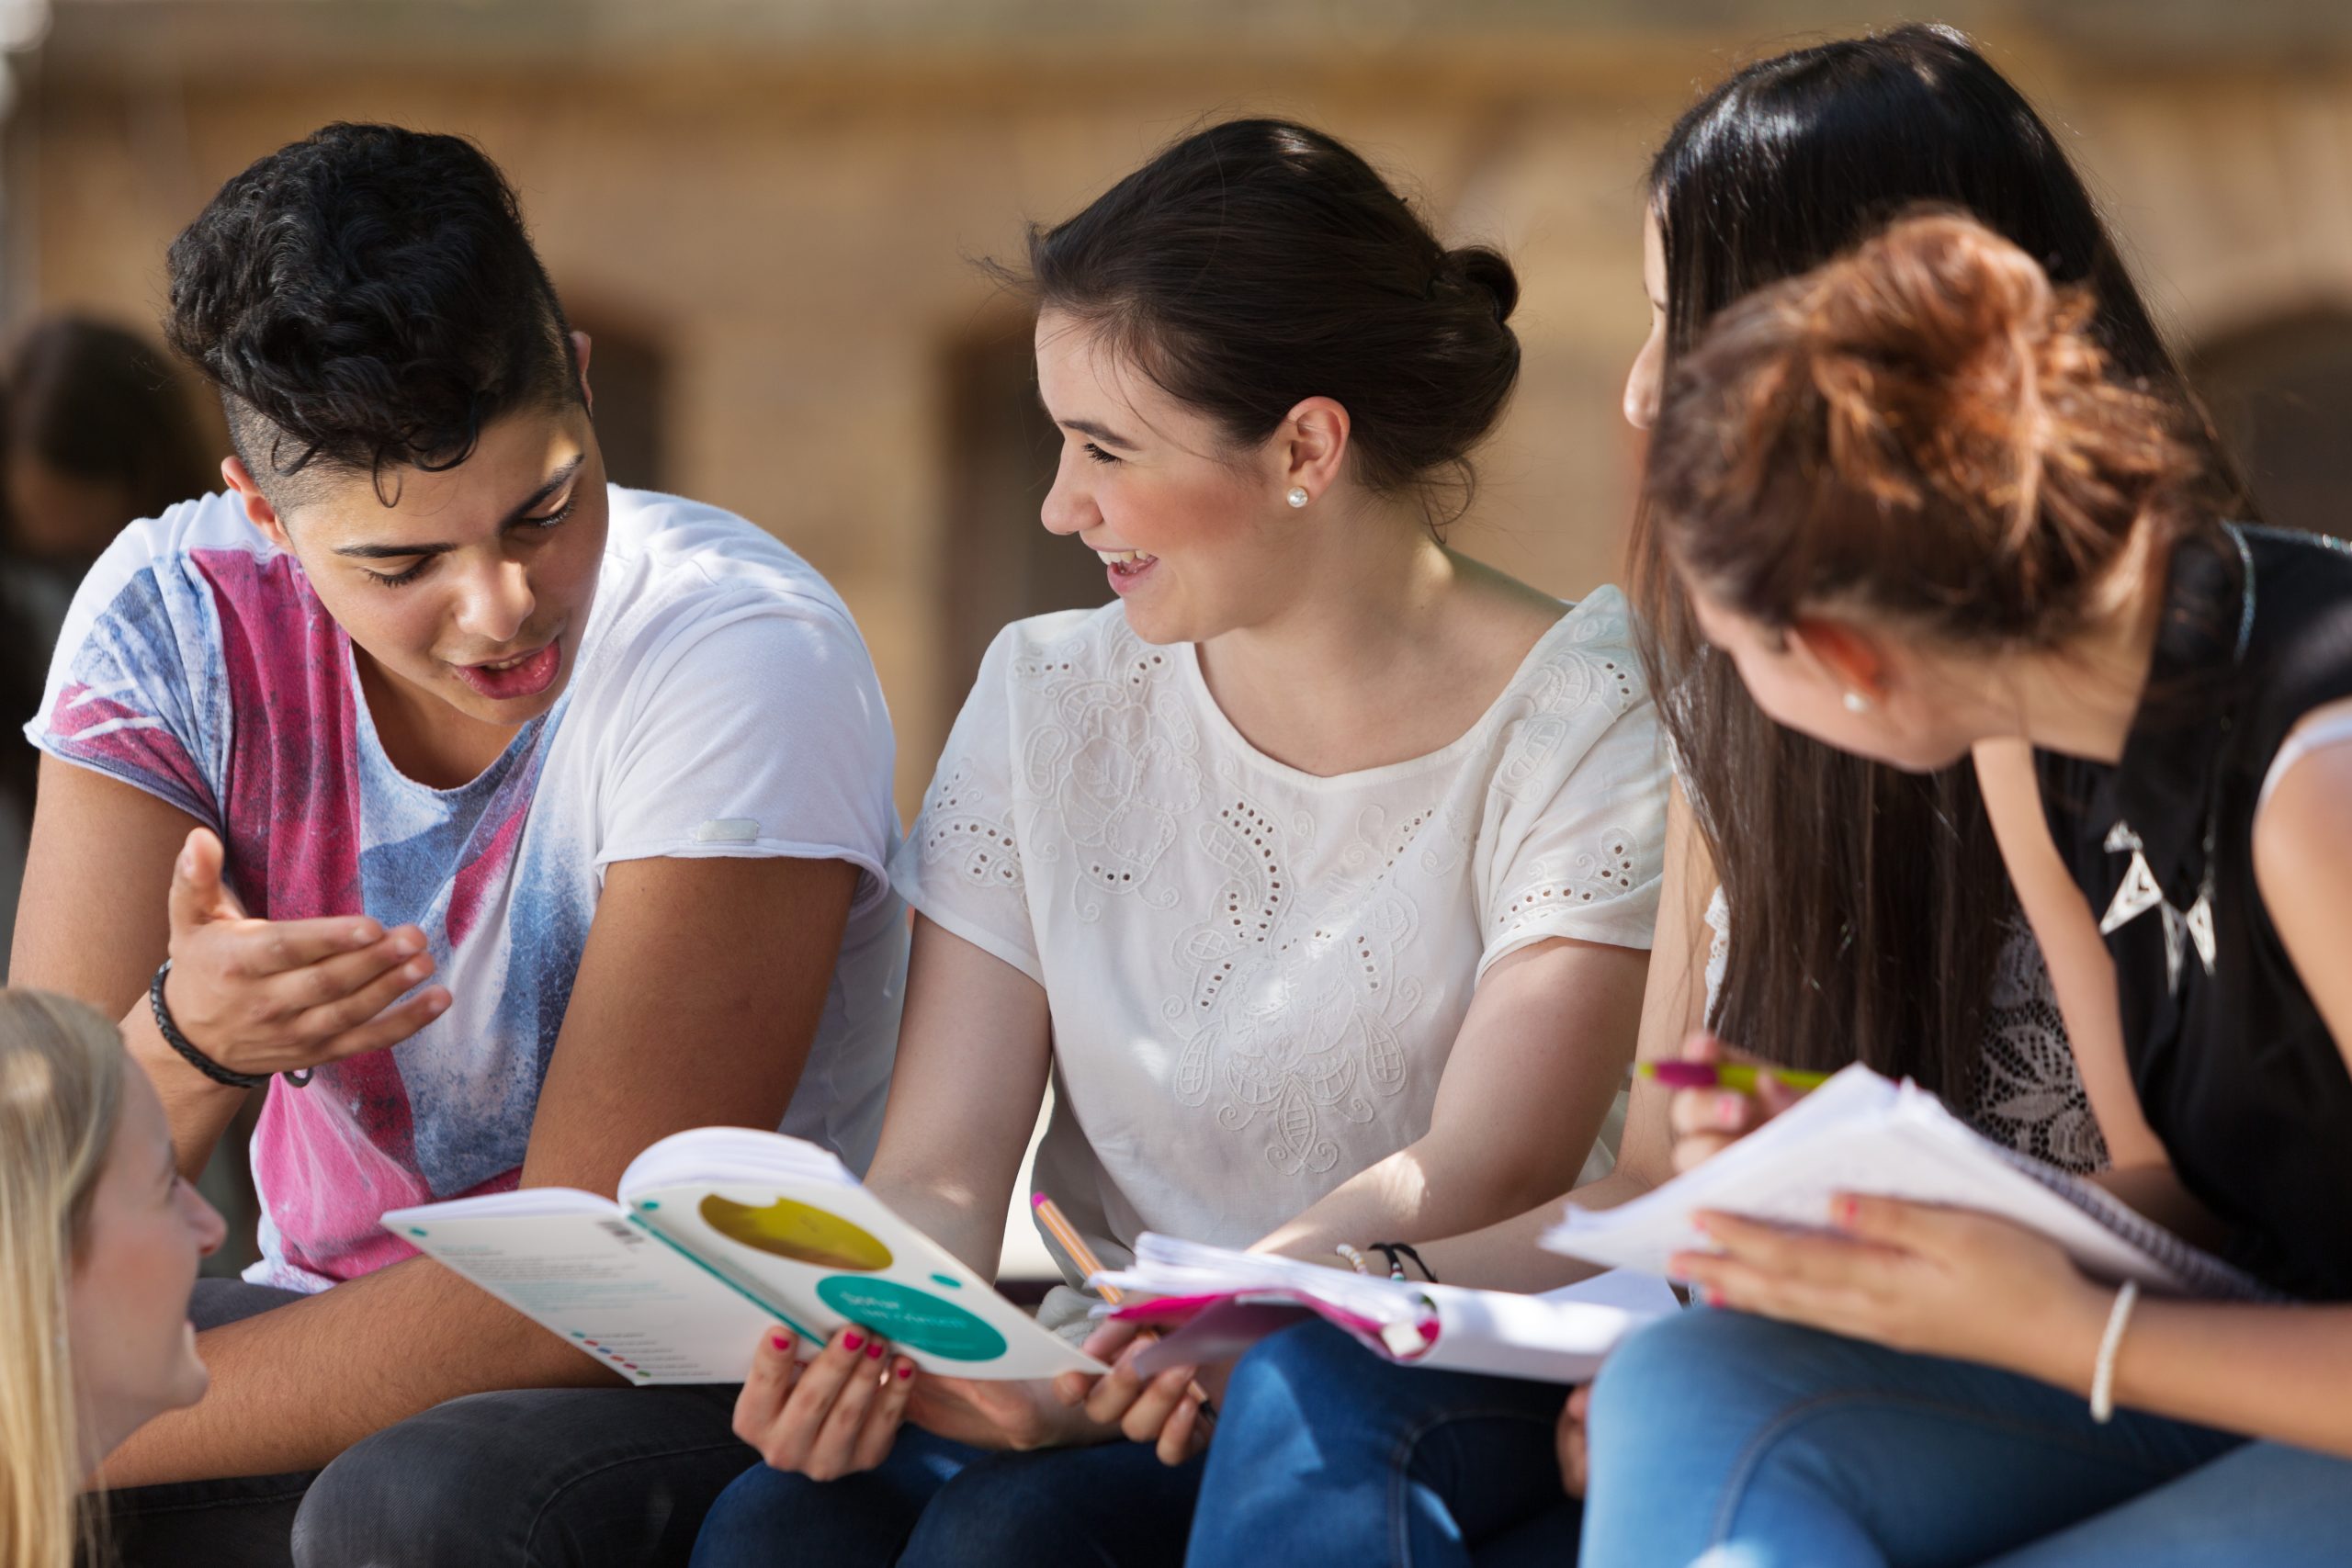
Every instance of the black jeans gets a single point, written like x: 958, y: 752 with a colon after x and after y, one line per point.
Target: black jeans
x: 577, y: 1477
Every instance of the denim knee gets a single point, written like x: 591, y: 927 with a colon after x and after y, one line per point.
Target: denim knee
x: 1296, y: 1372
x: 583, y: 1477
x: 1699, y: 1366
x: 754, y: 1518
x: 1105, y: 1503
x: 1007, y: 1511
x: 423, y: 1491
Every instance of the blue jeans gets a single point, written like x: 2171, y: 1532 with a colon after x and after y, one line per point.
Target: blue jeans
x: 1326, y: 1453
x: 1775, y: 1447
x: 936, y: 1504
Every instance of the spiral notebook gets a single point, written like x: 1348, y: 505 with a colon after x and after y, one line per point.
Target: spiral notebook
x: 1860, y: 1132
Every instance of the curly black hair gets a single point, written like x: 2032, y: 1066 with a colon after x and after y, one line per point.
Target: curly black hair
x: 365, y: 300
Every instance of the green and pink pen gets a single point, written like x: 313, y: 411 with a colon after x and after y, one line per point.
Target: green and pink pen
x: 1727, y: 1075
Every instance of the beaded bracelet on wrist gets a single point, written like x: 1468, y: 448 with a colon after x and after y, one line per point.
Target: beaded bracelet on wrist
x: 1397, y: 1252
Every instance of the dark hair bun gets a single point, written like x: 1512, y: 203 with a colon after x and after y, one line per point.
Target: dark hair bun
x: 1257, y: 264
x: 1477, y: 269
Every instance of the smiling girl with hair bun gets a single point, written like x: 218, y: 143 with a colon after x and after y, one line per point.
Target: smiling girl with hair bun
x: 1318, y: 871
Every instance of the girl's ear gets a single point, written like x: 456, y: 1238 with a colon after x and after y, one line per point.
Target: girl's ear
x: 1845, y: 654
x: 1312, y: 444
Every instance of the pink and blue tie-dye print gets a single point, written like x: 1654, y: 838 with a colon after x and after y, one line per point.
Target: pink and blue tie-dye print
x: 719, y: 682
x: 229, y: 649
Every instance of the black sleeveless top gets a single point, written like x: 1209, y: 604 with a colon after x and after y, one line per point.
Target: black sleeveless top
x: 2237, y: 1074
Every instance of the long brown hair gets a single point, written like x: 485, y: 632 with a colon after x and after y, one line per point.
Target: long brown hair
x: 1867, y: 906
x: 1921, y: 435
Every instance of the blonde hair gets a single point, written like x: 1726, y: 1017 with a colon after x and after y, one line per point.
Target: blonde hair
x: 61, y: 1095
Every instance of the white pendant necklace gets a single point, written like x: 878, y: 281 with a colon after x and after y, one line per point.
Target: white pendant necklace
x: 2140, y: 891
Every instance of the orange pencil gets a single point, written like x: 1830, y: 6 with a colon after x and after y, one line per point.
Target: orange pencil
x: 1074, y: 1248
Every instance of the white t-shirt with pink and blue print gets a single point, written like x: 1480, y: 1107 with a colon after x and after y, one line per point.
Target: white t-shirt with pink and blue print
x: 722, y: 704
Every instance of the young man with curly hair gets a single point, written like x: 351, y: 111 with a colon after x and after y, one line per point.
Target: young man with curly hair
x: 510, y: 821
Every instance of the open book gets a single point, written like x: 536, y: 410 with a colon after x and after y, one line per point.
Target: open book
x: 719, y: 1233
x: 1221, y: 1302
x: 1860, y: 1133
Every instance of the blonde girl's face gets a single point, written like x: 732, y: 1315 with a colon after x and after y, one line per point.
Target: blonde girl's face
x: 134, y: 1350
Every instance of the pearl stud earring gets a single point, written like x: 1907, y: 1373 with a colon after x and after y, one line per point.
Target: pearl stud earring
x: 1856, y: 703
x: 1297, y: 496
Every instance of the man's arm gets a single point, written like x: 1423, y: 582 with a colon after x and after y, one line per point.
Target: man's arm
x: 697, y: 1001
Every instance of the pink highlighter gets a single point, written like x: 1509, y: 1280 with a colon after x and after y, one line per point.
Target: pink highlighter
x: 1727, y: 1075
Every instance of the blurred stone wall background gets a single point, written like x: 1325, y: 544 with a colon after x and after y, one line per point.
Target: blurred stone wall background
x: 765, y: 212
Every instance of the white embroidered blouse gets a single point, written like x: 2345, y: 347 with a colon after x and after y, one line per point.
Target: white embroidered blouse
x: 1256, y: 975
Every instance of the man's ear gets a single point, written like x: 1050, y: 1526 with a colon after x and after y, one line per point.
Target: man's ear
x: 1844, y: 652
x: 258, y: 510
x: 580, y: 346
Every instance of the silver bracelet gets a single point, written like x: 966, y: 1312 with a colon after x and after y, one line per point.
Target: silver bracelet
x: 2103, y: 1372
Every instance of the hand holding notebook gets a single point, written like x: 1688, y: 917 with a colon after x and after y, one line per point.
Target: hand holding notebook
x: 1862, y: 1133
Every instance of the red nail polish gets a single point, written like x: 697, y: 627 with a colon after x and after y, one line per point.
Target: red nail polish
x: 874, y: 1350
x: 1715, y: 1297
x: 781, y: 1341
x: 853, y: 1339
x: 906, y: 1370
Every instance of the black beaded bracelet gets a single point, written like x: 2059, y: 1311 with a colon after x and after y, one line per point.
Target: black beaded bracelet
x: 188, y: 1053
x: 1391, y: 1249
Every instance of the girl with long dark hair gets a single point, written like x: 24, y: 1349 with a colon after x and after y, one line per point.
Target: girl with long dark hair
x: 1918, y: 505
x: 1818, y: 908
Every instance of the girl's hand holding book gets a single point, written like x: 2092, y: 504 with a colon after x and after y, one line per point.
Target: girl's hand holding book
x: 833, y: 1416
x: 1164, y: 1410
x: 1915, y: 1277
x: 839, y: 1411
